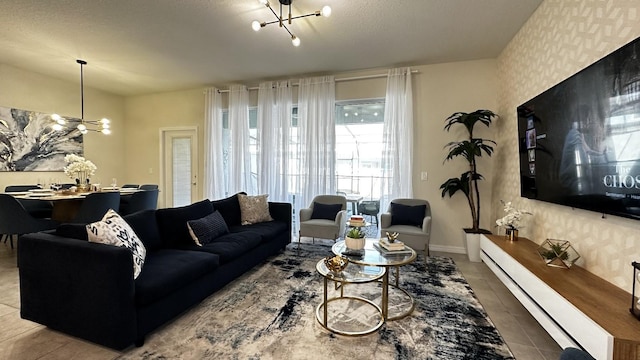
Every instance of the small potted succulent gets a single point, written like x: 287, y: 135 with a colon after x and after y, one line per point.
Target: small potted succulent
x: 354, y: 239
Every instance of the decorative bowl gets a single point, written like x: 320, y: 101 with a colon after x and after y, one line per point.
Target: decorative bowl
x: 336, y: 263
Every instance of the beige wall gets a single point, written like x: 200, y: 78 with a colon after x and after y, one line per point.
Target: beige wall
x: 560, y: 39
x: 31, y: 91
x: 146, y: 115
x: 439, y: 91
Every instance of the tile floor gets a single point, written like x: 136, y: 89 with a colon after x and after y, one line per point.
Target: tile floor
x: 22, y: 339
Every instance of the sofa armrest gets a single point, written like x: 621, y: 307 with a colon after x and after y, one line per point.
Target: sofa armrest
x: 281, y: 211
x: 426, y: 225
x: 80, y: 288
x: 305, y: 214
x: 341, y: 221
x: 385, y: 220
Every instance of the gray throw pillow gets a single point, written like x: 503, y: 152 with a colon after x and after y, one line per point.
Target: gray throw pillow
x: 206, y: 229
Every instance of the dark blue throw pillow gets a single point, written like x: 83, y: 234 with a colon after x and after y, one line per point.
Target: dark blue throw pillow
x: 325, y: 211
x: 206, y: 229
x: 172, y: 222
x: 407, y: 215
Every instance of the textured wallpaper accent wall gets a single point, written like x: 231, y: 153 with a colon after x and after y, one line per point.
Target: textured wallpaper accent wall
x: 560, y: 39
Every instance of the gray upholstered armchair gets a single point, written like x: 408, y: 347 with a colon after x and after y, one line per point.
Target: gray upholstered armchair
x: 411, y: 219
x: 326, y: 217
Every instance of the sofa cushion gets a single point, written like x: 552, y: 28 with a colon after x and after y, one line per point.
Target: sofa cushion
x: 229, y: 209
x: 172, y: 222
x: 146, y: 227
x: 253, y: 209
x: 407, y: 215
x: 73, y: 231
x: 230, y: 246
x: 113, y: 230
x: 325, y: 211
x: 268, y: 230
x: 205, y: 229
x: 168, y: 270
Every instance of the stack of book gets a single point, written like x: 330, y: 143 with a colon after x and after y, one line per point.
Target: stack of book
x: 356, y: 220
x: 391, y: 246
x: 388, y: 249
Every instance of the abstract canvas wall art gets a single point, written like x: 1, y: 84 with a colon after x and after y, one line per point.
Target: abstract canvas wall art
x: 28, y: 143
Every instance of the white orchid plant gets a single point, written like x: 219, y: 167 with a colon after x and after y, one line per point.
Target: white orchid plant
x: 78, y: 166
x: 512, y: 219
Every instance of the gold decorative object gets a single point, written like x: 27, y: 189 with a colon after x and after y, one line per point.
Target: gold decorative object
x: 336, y: 263
x: 392, y: 237
x: 558, y: 253
x: 511, y: 234
x: 635, y: 300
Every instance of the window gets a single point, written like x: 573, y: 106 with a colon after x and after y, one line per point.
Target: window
x: 359, y: 126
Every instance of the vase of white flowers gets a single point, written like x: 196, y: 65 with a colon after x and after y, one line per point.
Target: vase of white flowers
x: 80, y: 170
x: 511, y: 221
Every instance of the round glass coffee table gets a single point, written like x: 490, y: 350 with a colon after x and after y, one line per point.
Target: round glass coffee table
x: 367, y: 318
x: 371, y: 256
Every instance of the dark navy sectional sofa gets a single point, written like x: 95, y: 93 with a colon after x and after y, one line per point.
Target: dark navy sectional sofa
x: 87, y: 289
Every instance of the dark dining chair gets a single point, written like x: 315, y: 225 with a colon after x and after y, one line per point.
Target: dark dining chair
x: 37, y: 208
x: 148, y: 187
x: 139, y: 200
x: 16, y: 188
x: 15, y: 220
x: 95, y: 205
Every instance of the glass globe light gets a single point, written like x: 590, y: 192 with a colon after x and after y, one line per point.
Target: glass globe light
x: 105, y: 121
x: 82, y: 127
x: 263, y: 2
x: 255, y: 25
x: 326, y: 11
x: 56, y: 127
x: 295, y: 40
x: 106, y: 131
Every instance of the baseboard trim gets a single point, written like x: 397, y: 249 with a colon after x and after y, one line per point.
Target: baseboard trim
x: 449, y: 249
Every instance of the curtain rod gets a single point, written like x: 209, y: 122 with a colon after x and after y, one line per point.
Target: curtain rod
x: 364, y: 77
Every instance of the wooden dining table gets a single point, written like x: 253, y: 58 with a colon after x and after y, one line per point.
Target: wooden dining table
x: 66, y: 204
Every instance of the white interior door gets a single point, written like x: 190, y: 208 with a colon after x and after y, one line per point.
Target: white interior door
x: 180, y: 166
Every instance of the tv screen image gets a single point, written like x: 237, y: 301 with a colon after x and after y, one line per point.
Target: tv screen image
x: 580, y: 140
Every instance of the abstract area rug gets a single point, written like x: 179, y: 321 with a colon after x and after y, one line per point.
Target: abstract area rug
x: 269, y: 313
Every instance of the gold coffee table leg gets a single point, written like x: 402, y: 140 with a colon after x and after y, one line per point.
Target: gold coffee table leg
x: 326, y: 316
x: 404, y: 314
x: 385, y: 295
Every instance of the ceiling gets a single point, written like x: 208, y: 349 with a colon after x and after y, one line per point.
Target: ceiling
x: 145, y: 46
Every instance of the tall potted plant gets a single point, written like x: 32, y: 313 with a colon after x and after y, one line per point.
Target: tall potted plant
x: 469, y: 149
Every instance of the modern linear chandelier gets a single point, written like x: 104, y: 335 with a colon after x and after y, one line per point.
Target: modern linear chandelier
x: 280, y: 20
x: 84, y: 126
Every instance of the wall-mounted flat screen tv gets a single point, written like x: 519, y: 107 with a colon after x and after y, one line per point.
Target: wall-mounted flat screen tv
x: 580, y: 140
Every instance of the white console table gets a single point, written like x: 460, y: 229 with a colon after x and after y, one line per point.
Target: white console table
x: 574, y: 306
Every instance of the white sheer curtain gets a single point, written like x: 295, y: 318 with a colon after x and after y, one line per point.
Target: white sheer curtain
x: 214, y: 186
x: 397, y: 159
x: 316, y: 126
x: 240, y: 164
x: 274, y: 122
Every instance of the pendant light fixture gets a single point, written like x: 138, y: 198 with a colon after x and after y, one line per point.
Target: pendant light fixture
x: 84, y: 126
x: 280, y: 20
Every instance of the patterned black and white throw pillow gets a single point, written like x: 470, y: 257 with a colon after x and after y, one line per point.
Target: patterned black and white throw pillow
x: 113, y: 230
